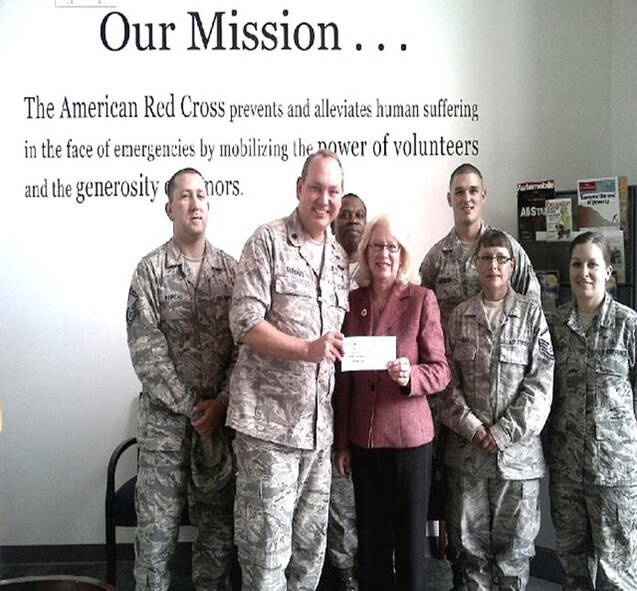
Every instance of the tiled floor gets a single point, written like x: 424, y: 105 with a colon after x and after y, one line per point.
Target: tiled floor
x: 439, y: 574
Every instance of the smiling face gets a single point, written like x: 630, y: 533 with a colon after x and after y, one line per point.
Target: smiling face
x: 466, y: 196
x: 188, y: 208
x: 319, y: 195
x: 588, y: 274
x: 495, y: 267
x: 383, y: 256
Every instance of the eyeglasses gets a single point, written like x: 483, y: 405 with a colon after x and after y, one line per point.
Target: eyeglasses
x: 378, y: 247
x: 485, y: 259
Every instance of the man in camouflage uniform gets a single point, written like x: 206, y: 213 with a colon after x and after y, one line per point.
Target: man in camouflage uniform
x: 289, y: 301
x: 342, y: 540
x: 182, y: 351
x: 448, y: 269
x: 500, y: 396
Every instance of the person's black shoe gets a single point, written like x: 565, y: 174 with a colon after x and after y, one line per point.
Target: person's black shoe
x: 343, y: 579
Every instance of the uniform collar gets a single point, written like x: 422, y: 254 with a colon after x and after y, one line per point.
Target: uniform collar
x: 297, y: 235
x: 605, y: 317
x: 175, y: 258
x: 474, y: 307
x: 452, y: 242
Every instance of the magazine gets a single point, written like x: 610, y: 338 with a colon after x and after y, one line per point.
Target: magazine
x: 531, y: 198
x: 603, y: 203
x: 559, y: 219
x: 550, y: 288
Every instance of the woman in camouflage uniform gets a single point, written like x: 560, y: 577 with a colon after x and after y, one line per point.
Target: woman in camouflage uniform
x: 592, y: 450
x: 496, y: 406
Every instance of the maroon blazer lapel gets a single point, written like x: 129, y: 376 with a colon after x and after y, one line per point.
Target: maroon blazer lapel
x: 360, y: 312
x: 397, y: 305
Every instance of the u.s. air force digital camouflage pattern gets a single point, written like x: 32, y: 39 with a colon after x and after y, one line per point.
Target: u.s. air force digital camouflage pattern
x: 273, y: 475
x: 592, y: 446
x: 182, y: 351
x: 502, y: 379
x: 501, y: 516
x: 287, y: 403
x: 164, y: 486
x: 449, y: 270
x: 342, y: 539
x: 451, y: 273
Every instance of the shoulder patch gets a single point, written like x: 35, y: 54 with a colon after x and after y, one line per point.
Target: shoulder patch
x: 132, y: 309
x: 546, y: 347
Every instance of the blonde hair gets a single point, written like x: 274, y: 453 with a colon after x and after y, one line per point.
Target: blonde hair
x: 405, y: 273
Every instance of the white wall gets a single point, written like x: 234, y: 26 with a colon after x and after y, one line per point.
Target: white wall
x: 555, y: 85
x: 623, y: 87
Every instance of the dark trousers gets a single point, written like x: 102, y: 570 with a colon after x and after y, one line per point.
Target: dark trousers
x: 391, y: 488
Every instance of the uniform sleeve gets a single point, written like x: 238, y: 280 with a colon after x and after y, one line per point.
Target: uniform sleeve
x: 148, y: 346
x: 431, y: 374
x: 252, y: 295
x: 523, y: 279
x: 527, y: 414
x: 455, y: 413
x: 427, y: 270
x: 224, y: 389
x: 632, y: 351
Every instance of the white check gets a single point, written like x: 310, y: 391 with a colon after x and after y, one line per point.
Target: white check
x: 367, y: 353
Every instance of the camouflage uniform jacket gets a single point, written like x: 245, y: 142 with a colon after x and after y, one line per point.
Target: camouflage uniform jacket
x: 455, y: 281
x: 179, y: 339
x: 592, y: 430
x: 503, y: 380
x: 286, y: 402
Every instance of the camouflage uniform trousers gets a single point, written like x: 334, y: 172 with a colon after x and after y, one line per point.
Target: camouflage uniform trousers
x: 280, y: 514
x: 452, y: 554
x: 163, y: 486
x: 342, y: 541
x: 493, y: 524
x: 596, y: 529
x: 439, y: 477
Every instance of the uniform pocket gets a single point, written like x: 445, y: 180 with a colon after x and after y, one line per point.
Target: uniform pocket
x: 514, y: 360
x: 464, y: 353
x: 293, y: 284
x: 613, y: 362
x: 616, y: 443
x: 449, y: 288
x: 514, y: 354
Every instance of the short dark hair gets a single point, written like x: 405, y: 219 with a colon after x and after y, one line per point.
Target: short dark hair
x: 354, y: 196
x: 465, y: 168
x: 596, y: 238
x: 493, y: 237
x: 324, y: 153
x: 170, y: 185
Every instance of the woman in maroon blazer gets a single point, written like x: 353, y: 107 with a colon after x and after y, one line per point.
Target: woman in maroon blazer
x: 383, y: 425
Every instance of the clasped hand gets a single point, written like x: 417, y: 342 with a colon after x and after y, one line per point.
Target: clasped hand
x: 208, y: 415
x: 484, y: 440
